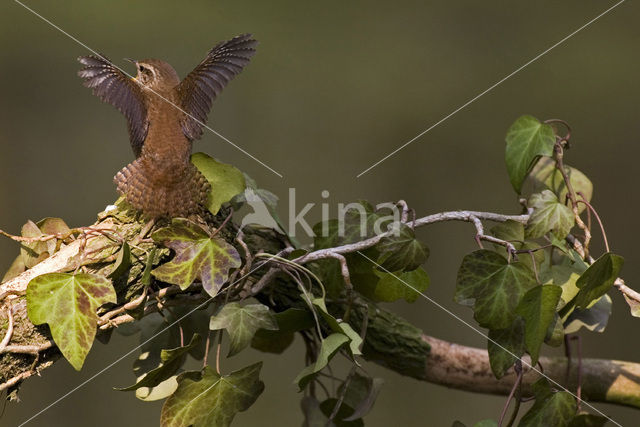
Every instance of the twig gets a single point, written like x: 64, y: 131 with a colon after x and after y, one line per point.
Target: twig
x: 9, y: 333
x: 15, y: 380
x: 516, y: 385
x: 559, y: 156
x: 343, y: 393
x: 28, y: 349
x: 466, y: 216
x: 595, y: 213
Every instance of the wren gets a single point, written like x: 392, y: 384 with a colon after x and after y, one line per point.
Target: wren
x: 164, y: 116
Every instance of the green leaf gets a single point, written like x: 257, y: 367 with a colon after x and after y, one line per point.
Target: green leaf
x: 339, y: 326
x: 512, y: 231
x: 550, y: 409
x: 358, y: 224
x: 505, y: 346
x: 361, y: 395
x: 313, y: 415
x: 548, y: 215
x: 538, y: 309
x: 394, y: 286
x: 598, y: 278
x: 289, y: 321
x: 198, y: 256
x: 493, y: 287
x: 545, y: 175
x: 123, y: 262
x: 486, y: 423
x: 555, y: 333
x: 226, y: 181
x: 527, y: 140
x: 594, y: 318
x: 68, y: 303
x: 588, y: 420
x: 402, y: 251
x: 155, y: 338
x: 242, y: 322
x: 340, y: 420
x: 206, y: 398
x: 328, y: 348
x: 171, y: 361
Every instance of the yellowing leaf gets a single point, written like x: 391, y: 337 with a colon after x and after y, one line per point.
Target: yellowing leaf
x: 545, y: 175
x: 198, y: 256
x: 68, y: 303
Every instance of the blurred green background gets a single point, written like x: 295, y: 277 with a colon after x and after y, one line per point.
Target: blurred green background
x: 335, y: 86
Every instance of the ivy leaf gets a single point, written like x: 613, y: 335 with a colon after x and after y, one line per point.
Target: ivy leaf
x: 16, y: 268
x: 327, y: 407
x: 122, y: 263
x: 505, y: 346
x: 538, y: 309
x: 328, y: 348
x: 527, y: 140
x: 171, y: 361
x: 548, y: 215
x: 402, y: 251
x: 634, y: 305
x: 226, y: 181
x: 68, y: 303
x: 289, y: 321
x: 588, y: 420
x: 598, y: 278
x: 594, y: 318
x: 242, y: 322
x: 313, y: 415
x: 394, y: 286
x: 545, y: 175
x: 34, y: 252
x: 339, y: 326
x: 361, y: 394
x: 206, y: 398
x: 550, y: 409
x: 198, y: 256
x: 493, y: 287
x: 512, y: 231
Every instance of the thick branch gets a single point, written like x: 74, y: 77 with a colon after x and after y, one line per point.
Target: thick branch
x: 467, y: 368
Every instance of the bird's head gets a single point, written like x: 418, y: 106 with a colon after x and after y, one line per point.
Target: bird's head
x: 155, y: 74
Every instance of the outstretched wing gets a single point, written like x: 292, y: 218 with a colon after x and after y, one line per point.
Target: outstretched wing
x: 113, y: 86
x: 202, y: 85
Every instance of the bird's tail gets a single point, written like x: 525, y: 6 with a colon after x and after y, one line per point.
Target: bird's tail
x: 173, y: 192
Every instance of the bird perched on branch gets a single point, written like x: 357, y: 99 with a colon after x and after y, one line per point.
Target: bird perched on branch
x: 164, y: 116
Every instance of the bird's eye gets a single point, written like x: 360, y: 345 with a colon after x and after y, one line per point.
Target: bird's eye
x: 141, y: 68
